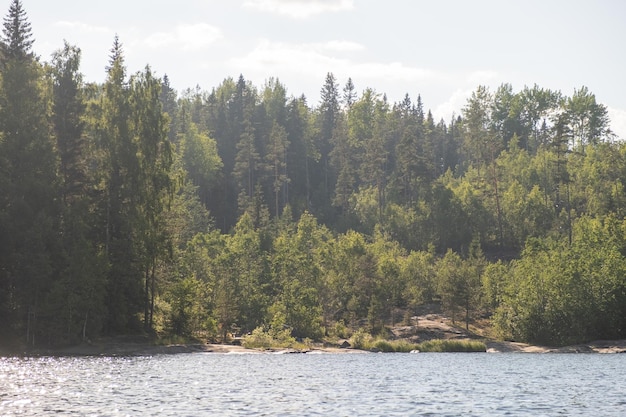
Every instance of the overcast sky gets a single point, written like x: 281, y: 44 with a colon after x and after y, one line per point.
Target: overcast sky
x: 441, y: 49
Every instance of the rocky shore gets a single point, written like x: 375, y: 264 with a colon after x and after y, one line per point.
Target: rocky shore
x: 421, y: 328
x: 123, y: 347
x: 599, y: 346
x: 116, y: 348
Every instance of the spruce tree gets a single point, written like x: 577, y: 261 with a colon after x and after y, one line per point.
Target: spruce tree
x: 67, y: 116
x: 119, y: 206
x: 17, y: 39
x: 28, y: 209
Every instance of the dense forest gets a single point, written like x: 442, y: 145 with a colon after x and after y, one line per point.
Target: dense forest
x: 126, y: 207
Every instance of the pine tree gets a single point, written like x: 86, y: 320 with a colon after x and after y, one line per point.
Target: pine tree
x: 28, y: 210
x: 246, y: 164
x: 154, y: 184
x: 76, y: 301
x: 17, y: 39
x: 328, y: 118
x: 349, y: 94
x: 170, y: 107
x: 276, y: 163
x: 120, y: 167
x: 67, y: 116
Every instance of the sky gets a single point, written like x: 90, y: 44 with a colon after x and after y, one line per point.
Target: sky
x: 440, y: 49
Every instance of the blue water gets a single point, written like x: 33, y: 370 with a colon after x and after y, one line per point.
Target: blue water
x: 212, y: 384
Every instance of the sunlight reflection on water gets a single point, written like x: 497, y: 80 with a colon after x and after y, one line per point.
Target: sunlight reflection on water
x: 316, y: 385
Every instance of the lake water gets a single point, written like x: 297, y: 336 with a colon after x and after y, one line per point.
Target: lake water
x: 212, y: 384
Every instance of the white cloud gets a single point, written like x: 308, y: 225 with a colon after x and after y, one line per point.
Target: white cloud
x: 317, y: 59
x: 277, y: 57
x: 82, y: 27
x: 483, y: 77
x: 188, y: 37
x: 299, y: 8
x: 453, y: 105
x: 340, y: 46
x: 618, y: 122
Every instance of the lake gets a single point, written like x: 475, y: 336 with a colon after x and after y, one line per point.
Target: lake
x: 214, y: 384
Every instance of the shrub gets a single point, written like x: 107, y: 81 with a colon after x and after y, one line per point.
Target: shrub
x: 262, y: 339
x: 383, y: 346
x: 364, y: 341
x: 452, y: 346
x: 258, y: 339
x: 339, y: 330
x: 361, y: 340
x: 404, y: 346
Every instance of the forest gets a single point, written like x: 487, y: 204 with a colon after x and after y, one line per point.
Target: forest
x: 129, y: 208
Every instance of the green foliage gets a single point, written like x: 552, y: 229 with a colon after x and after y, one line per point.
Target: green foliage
x: 258, y: 339
x: 17, y: 35
x: 364, y: 341
x: 401, y: 346
x: 329, y: 218
x: 560, y: 294
x: 451, y: 346
x: 418, y: 271
x: 187, y: 315
x: 262, y: 339
x: 200, y: 161
x: 361, y: 340
x: 458, y: 285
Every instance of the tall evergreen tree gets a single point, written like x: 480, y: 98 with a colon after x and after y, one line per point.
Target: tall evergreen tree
x: 121, y: 190
x: 28, y: 210
x: 155, y: 186
x: 17, y: 40
x: 409, y: 150
x: 76, y: 302
x: 349, y: 94
x: 276, y: 163
x: 247, y: 162
x: 169, y: 102
x: 327, y: 123
x: 375, y: 165
x: 303, y: 154
x: 67, y: 116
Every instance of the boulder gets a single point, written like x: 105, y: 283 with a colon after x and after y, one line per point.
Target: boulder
x: 344, y: 344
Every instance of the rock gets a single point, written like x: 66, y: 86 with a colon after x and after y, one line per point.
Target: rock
x: 345, y: 344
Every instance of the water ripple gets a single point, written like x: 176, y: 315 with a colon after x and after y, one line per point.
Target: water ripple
x: 316, y: 385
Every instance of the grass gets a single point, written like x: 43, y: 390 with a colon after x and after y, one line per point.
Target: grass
x: 452, y: 346
x: 364, y: 341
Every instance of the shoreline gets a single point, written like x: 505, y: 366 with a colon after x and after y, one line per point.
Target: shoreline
x: 118, y: 349
x: 597, y: 346
x: 422, y: 328
x: 115, y: 348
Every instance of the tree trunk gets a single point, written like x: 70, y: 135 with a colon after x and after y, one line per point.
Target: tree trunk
x: 85, y: 326
x: 152, y: 295
x: 146, y: 307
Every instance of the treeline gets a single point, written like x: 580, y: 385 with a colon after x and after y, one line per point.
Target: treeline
x: 125, y: 207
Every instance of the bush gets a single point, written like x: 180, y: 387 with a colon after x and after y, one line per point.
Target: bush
x: 452, y: 346
x: 404, y: 346
x: 364, y: 341
x: 339, y: 331
x: 262, y: 339
x: 361, y: 340
x: 382, y: 345
x: 258, y: 339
